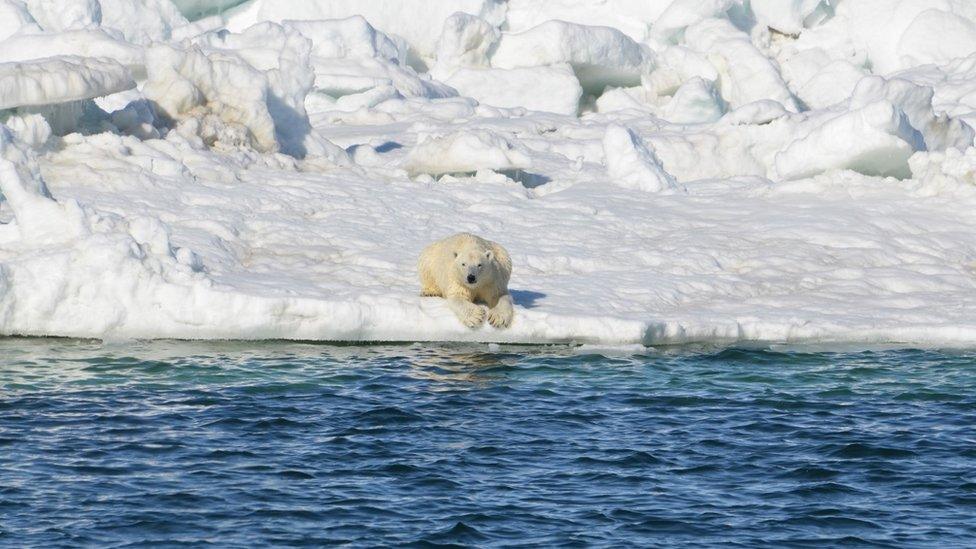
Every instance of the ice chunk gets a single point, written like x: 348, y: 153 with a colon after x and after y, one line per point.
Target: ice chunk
x: 632, y: 17
x: 14, y: 18
x: 945, y: 168
x: 874, y: 140
x: 696, y: 102
x: 282, y: 56
x: 745, y: 74
x: 142, y: 21
x: 419, y: 23
x: 676, y: 65
x: 22, y: 159
x: 465, y: 152
x: 786, y: 16
x: 38, y: 217
x: 956, y: 38
x: 954, y: 85
x: 352, y: 37
x: 31, y: 128
x: 190, y: 83
x: 681, y: 14
x: 60, y: 15
x: 60, y: 80
x: 632, y: 164
x: 350, y: 56
x: 551, y: 89
x: 81, y: 43
x: 633, y: 98
x: 339, y: 77
x: 255, y: 82
x: 830, y: 85
x: 464, y: 42
x: 939, y: 132
x: 601, y: 56
x: 899, y: 34
x: 759, y: 112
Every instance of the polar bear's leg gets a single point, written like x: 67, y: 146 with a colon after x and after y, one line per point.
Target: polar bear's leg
x: 500, y: 316
x: 468, y: 313
x: 428, y: 288
x: 428, y: 283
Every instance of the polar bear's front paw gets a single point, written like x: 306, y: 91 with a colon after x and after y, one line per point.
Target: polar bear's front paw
x: 472, y: 316
x: 500, y: 317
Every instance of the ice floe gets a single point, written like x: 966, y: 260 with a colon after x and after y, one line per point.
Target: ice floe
x: 661, y: 171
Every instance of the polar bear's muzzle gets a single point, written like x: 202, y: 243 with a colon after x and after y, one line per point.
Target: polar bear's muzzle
x: 472, y: 279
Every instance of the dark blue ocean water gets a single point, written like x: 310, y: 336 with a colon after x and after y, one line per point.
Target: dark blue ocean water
x: 166, y: 443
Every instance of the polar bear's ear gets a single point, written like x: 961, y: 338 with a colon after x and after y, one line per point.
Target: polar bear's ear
x: 488, y: 255
x: 455, y: 254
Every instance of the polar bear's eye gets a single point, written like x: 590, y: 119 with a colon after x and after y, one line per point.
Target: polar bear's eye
x: 479, y: 264
x: 464, y: 264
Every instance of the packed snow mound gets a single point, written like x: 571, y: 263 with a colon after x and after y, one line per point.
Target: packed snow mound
x: 549, y: 89
x: 59, y: 80
x: 631, y: 164
x: 601, y: 56
x: 466, y: 152
x: 419, y: 23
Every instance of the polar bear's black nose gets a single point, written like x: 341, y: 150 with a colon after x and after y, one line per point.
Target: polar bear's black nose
x: 471, y: 279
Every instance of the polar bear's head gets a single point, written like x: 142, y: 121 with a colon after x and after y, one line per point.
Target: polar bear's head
x: 473, y: 266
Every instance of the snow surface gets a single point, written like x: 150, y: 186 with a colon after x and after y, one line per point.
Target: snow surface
x: 661, y: 171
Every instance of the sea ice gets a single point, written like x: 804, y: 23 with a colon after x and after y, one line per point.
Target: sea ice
x: 661, y: 171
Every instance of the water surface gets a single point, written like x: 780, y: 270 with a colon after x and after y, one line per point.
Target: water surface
x: 244, y: 444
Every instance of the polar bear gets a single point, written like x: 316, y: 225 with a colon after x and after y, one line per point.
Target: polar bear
x: 468, y: 270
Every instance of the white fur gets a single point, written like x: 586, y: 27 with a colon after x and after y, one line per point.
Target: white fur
x: 444, y: 268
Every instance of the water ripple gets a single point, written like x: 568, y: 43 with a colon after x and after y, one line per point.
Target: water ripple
x: 239, y: 444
